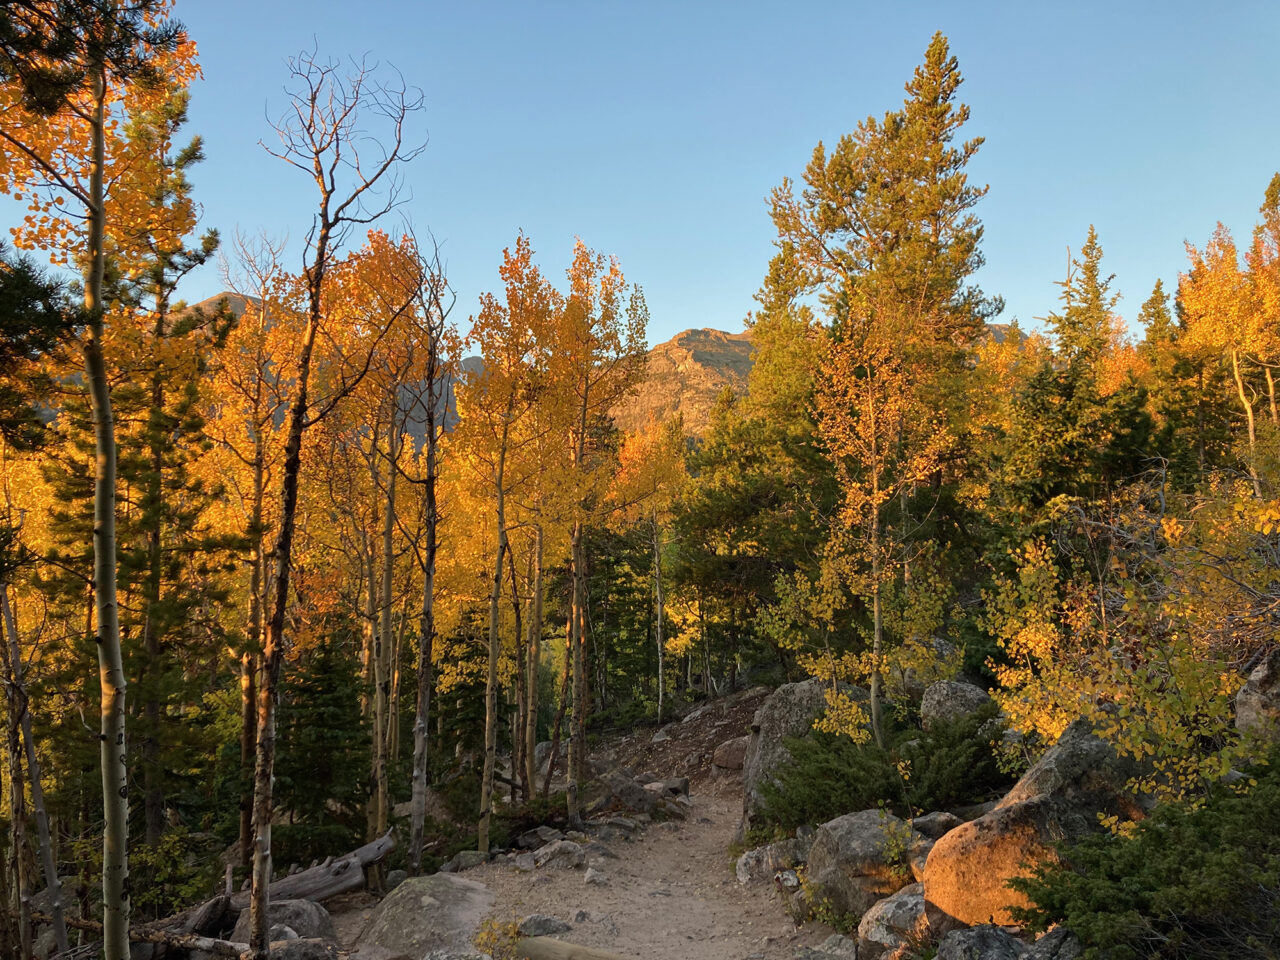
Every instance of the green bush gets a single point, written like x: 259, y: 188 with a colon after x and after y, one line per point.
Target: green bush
x: 1185, y: 883
x: 829, y: 775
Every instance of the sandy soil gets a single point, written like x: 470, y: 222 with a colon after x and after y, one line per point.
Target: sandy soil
x: 671, y: 893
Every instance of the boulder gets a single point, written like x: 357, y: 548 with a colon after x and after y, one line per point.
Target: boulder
x: 859, y: 859
x: 541, y: 925
x: 835, y: 947
x: 1258, y: 702
x: 440, y: 912
x: 762, y: 863
x: 905, y: 918
x: 561, y: 853
x: 465, y: 860
x: 949, y: 700
x: 622, y: 791
x: 936, y: 825
x: 306, y: 918
x: 730, y: 755
x: 1058, y: 799
x: 787, y: 712
x: 395, y: 878
x: 537, y: 837
x: 980, y: 943
x: 1057, y: 944
x: 304, y: 948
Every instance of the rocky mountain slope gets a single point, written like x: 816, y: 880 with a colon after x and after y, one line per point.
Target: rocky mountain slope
x: 685, y: 375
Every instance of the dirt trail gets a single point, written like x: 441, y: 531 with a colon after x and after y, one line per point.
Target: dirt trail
x: 670, y: 894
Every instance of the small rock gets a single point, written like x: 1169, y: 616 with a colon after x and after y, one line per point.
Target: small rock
x: 934, y: 825
x: 980, y: 943
x: 464, y: 860
x: 595, y: 878
x: 525, y: 862
x: 662, y: 736
x: 562, y: 853
x: 537, y: 837
x: 541, y: 925
x: 729, y: 756
x: 595, y: 850
x: 307, y: 948
x: 395, y: 878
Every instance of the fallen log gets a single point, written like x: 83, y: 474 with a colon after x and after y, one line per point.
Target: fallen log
x: 320, y: 882
x: 326, y: 879
x: 545, y: 948
x: 184, y: 941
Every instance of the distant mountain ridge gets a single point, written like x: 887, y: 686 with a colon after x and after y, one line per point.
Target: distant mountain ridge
x: 685, y: 375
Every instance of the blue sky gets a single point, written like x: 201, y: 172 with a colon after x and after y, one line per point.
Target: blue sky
x: 655, y: 130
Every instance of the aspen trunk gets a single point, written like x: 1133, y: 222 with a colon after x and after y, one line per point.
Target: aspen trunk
x: 1271, y: 397
x: 47, y: 862
x: 114, y: 758
x: 1248, y: 412
x: 18, y: 815
x: 274, y: 641
x: 578, y: 719
x: 383, y: 643
x: 877, y: 618
x: 491, y: 677
x: 521, y: 692
x: 535, y: 662
x: 558, y: 725
x: 425, y: 678
x: 657, y: 602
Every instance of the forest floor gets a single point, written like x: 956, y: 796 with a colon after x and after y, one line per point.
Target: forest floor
x: 671, y: 891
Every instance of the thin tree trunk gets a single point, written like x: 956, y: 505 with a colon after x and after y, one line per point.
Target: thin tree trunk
x: 535, y: 662
x: 47, y: 861
x: 18, y: 812
x: 274, y: 641
x: 382, y: 651
x: 577, y: 639
x: 877, y: 619
x: 491, y: 677
x: 1248, y: 412
x: 1271, y: 396
x: 426, y: 630
x: 518, y: 720
x: 114, y: 756
x: 558, y: 725
x: 657, y: 601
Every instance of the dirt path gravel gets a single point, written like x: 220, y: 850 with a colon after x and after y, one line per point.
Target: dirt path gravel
x: 671, y: 893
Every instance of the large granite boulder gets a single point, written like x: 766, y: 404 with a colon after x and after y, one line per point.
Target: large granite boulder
x: 306, y: 918
x: 440, y: 912
x: 861, y: 858
x: 949, y: 700
x: 991, y: 943
x: 787, y: 712
x: 1258, y: 702
x: 1059, y: 798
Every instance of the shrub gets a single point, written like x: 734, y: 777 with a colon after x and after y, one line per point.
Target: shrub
x: 829, y: 775
x: 1185, y: 883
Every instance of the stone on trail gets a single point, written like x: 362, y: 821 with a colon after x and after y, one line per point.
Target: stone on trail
x: 729, y: 756
x: 541, y: 925
x: 595, y: 878
x: 306, y: 918
x: 538, y: 836
x: 305, y: 948
x: 835, y: 947
x: 561, y: 853
x: 762, y: 863
x: 441, y: 912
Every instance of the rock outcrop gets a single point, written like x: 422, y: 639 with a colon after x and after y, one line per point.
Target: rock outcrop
x: 1258, y: 702
x: 1059, y: 798
x: 788, y: 712
x: 686, y: 375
